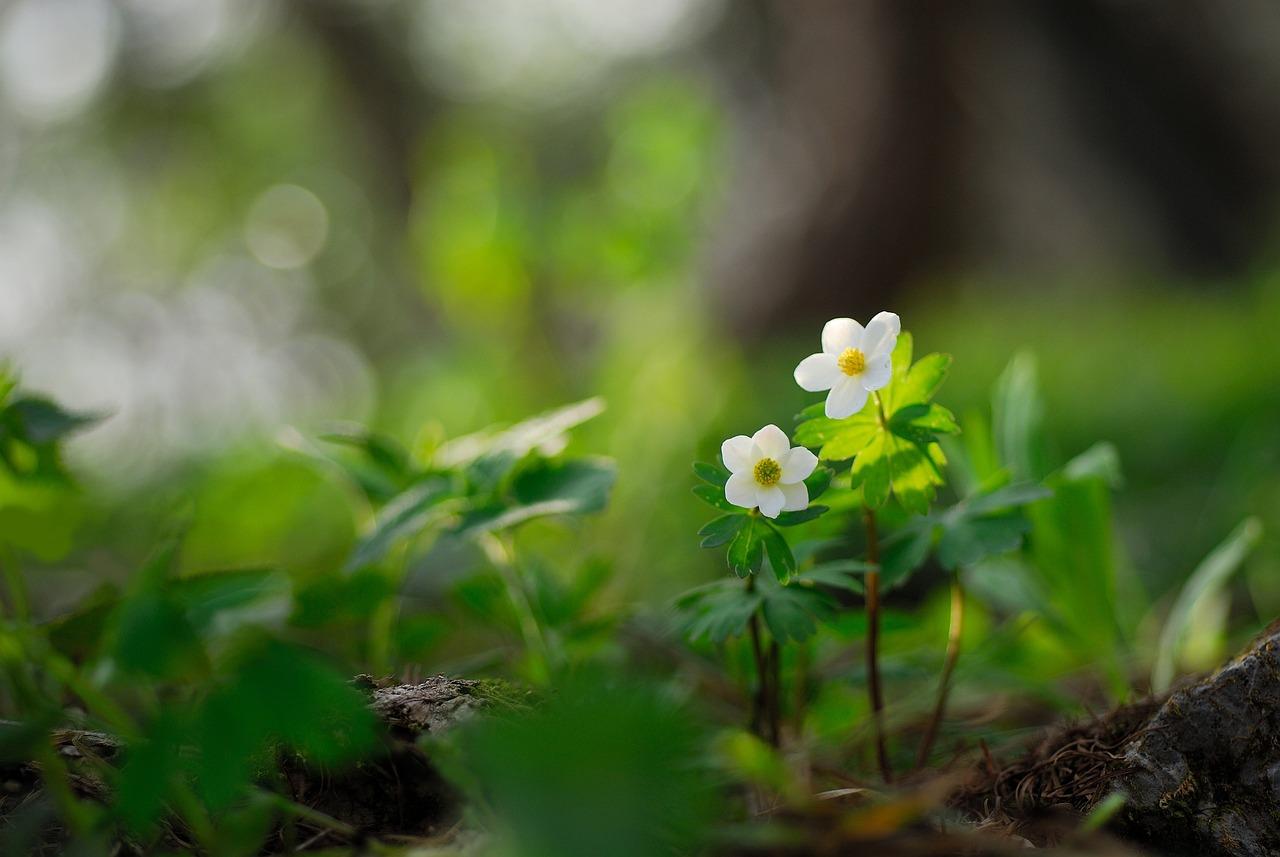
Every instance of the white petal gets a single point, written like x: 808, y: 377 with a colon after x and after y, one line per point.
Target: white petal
x: 817, y: 372
x: 882, y: 334
x: 800, y: 464
x: 736, y: 452
x: 846, y: 398
x: 879, y: 372
x: 740, y: 490
x: 795, y: 497
x: 772, y: 443
x: 839, y: 334
x: 770, y: 500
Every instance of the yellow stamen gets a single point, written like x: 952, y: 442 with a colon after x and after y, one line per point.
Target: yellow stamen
x: 768, y: 472
x: 852, y: 362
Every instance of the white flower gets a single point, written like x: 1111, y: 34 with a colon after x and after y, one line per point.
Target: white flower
x: 767, y: 472
x: 854, y: 362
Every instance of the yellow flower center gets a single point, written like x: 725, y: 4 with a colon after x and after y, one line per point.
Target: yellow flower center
x: 768, y: 472
x: 852, y: 362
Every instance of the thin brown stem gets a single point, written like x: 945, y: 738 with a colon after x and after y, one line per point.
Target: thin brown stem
x: 759, y: 697
x: 873, y: 642
x: 944, y: 683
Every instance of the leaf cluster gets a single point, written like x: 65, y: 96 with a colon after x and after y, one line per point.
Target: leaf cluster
x: 893, y: 440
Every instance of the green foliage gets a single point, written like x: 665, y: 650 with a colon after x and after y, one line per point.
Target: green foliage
x: 985, y: 524
x: 791, y: 611
x: 603, y: 767
x: 750, y: 537
x: 893, y: 440
x: 1209, y: 577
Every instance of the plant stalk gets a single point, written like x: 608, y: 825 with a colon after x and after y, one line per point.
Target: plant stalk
x: 954, y: 634
x: 873, y: 642
x: 503, y: 558
x: 759, y: 699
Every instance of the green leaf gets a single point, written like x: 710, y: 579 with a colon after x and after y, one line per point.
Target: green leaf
x: 1001, y: 499
x: 79, y: 634
x: 405, y: 517
x: 42, y: 421
x: 154, y: 637
x: 1100, y: 461
x: 792, y: 612
x: 230, y: 599
x: 900, y: 455
x: 1017, y: 416
x: 544, y: 488
x: 379, y: 449
x: 819, y: 481
x: 746, y: 551
x: 721, y: 530
x: 717, y: 611
x: 603, y: 767
x: 1210, y: 576
x: 341, y: 599
x: 544, y: 433
x: 905, y: 551
x: 715, y: 497
x: 922, y: 380
x: 871, y: 470
x: 838, y: 574
x: 712, y: 474
x: 791, y: 519
x: 776, y: 548
x: 972, y: 539
x: 582, y: 483
x: 277, y: 694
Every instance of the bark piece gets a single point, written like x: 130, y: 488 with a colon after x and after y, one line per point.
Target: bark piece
x: 1204, y: 776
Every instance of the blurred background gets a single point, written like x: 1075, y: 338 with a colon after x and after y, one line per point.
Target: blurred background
x: 228, y: 223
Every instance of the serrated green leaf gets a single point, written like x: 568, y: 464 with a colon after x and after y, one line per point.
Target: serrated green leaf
x: 871, y: 471
x: 721, y: 530
x: 792, y: 612
x: 899, y: 456
x: 913, y: 472
x: 791, y: 519
x: 713, y: 496
x: 746, y: 551
x: 717, y: 611
x: 839, y: 574
x: 776, y: 548
x: 712, y: 474
x: 922, y: 380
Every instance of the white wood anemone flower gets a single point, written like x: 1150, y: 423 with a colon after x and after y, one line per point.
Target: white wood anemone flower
x: 768, y: 472
x: 855, y: 362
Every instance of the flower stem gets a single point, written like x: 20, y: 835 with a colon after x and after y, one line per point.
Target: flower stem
x: 502, y: 557
x: 759, y: 699
x: 873, y: 642
x: 949, y: 665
